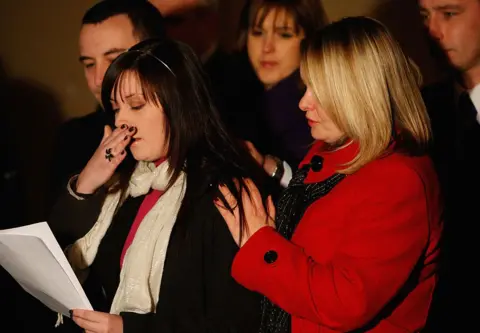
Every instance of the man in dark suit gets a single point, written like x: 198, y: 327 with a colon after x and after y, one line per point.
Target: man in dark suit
x: 454, y: 105
x: 108, y: 28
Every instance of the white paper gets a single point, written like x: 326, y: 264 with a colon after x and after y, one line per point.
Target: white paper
x: 32, y: 255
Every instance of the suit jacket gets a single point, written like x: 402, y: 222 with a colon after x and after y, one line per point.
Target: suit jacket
x: 456, y: 137
x: 456, y: 154
x: 363, y: 257
x: 76, y: 141
x: 198, y: 293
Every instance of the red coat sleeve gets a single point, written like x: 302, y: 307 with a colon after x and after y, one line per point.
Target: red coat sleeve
x: 385, y: 237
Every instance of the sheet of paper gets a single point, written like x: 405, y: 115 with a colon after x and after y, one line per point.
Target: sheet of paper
x: 32, y: 255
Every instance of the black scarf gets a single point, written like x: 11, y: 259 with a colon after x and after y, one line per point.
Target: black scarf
x: 292, y: 204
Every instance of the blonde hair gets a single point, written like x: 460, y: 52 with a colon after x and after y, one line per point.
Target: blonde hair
x: 370, y: 89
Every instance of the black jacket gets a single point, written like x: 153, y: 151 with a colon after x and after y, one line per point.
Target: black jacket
x: 456, y: 154
x: 76, y: 141
x: 198, y: 293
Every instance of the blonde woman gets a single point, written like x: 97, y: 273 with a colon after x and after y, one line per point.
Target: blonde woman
x: 357, y: 230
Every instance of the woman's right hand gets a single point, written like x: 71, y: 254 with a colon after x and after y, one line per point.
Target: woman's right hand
x: 255, y: 153
x: 267, y: 162
x: 256, y: 214
x: 109, y: 154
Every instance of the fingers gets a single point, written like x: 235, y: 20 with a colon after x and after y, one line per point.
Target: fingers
x: 251, y: 197
x: 88, y: 320
x: 251, y: 148
x: 229, y: 197
x: 115, y: 156
x: 254, y: 211
x: 249, y: 145
x: 255, y: 153
x: 254, y: 207
x: 120, y: 136
x: 232, y: 219
x: 114, y: 146
x: 87, y: 325
x: 89, y: 315
x: 107, y: 131
x: 252, y: 194
x: 97, y: 322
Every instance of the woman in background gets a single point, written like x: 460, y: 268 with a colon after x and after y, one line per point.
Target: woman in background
x: 265, y: 112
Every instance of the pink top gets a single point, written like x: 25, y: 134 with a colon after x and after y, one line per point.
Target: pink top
x: 148, y: 202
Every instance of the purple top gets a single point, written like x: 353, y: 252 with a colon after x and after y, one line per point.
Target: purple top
x: 289, y: 133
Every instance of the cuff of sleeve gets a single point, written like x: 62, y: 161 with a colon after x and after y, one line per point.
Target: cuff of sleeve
x: 135, y: 322
x: 72, y: 189
x: 287, y: 175
x: 258, y: 260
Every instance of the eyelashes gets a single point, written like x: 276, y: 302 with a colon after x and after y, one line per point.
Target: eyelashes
x: 135, y: 108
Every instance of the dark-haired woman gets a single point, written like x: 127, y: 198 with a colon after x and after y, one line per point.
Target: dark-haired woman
x: 150, y: 233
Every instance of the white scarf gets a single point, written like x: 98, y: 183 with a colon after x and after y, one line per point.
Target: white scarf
x: 142, y: 268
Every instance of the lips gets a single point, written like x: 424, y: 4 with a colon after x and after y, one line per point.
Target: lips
x: 311, y: 122
x: 135, y: 140
x: 268, y: 64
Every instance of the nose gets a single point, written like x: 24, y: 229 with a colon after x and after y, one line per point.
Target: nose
x: 305, y: 102
x: 434, y: 28
x: 121, y: 118
x: 100, y: 70
x: 268, y: 43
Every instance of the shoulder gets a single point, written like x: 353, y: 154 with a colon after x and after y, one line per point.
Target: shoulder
x: 198, y: 200
x: 199, y: 216
x: 93, y: 119
x: 437, y: 87
x: 396, y: 174
x: 398, y: 187
x: 88, y: 128
x: 439, y: 95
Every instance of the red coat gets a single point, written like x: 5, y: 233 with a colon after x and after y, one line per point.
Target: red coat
x: 354, y: 249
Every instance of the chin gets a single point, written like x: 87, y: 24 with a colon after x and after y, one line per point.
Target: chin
x: 314, y: 134
x: 267, y: 79
x: 139, y: 156
x: 146, y: 157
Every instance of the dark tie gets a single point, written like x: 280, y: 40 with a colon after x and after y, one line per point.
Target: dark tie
x: 467, y: 134
x: 466, y: 109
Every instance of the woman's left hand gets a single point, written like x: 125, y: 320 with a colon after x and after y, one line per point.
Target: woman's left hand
x: 256, y: 217
x: 97, y: 322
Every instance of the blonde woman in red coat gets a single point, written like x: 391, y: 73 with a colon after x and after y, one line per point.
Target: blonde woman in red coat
x: 354, y: 246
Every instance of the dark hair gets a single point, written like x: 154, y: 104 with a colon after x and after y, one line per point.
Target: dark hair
x: 171, y: 75
x: 147, y: 21
x: 308, y: 16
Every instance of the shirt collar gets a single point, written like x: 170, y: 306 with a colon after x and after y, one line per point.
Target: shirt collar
x: 475, y: 97
x: 474, y: 94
